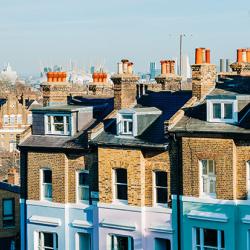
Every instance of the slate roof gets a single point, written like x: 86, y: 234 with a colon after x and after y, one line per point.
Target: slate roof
x: 8, y: 187
x: 153, y: 137
x: 101, y: 108
x: 194, y: 120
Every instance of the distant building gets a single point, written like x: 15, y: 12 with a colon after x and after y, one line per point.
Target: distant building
x: 92, y: 69
x: 152, y: 70
x: 8, y: 74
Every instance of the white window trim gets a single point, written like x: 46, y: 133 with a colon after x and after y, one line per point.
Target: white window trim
x: 154, y: 190
x: 202, y: 239
x: 77, y: 186
x: 53, y: 132
x: 119, y: 124
x: 55, y: 236
x: 210, y: 103
x: 130, y: 240
x: 115, y: 200
x: 202, y: 194
x: 42, y: 186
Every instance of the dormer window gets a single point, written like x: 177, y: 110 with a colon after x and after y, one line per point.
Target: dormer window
x: 127, y: 124
x: 57, y: 124
x: 222, y: 111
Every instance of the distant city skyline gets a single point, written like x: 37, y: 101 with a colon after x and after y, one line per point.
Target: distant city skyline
x: 102, y: 32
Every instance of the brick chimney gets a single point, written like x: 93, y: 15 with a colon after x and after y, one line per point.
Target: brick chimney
x: 168, y: 79
x: 203, y: 73
x: 56, y: 89
x: 125, y: 85
x: 13, y: 176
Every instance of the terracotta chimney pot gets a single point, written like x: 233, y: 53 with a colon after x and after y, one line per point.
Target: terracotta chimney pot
x: 208, y: 59
x: 172, y: 67
x: 125, y: 66
x: 163, y: 67
x: 244, y: 55
x: 49, y: 76
x: 59, y: 74
x: 130, y: 68
x: 198, y: 56
x: 239, y: 55
x: 248, y: 55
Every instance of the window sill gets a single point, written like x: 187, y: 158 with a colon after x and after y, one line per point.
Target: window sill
x: 47, y: 200
x: 161, y: 205
x: 9, y: 227
x: 120, y: 202
x: 208, y: 196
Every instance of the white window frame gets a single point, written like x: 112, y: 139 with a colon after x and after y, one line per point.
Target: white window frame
x: 83, y: 186
x: 213, y: 178
x: 211, y: 102
x: 19, y: 119
x: 42, y: 247
x: 53, y: 131
x: 120, y: 124
x: 248, y: 179
x: 202, y: 246
x: 77, y: 240
x: 6, y: 120
x: 112, y: 237
x: 156, y: 187
x: 42, y: 185
x: 115, y: 183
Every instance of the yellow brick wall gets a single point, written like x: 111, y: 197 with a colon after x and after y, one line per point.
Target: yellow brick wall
x: 223, y: 152
x: 140, y: 166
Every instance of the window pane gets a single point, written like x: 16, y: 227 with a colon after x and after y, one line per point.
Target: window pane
x: 205, y: 184
x: 197, y: 236
x: 161, y: 179
x: 212, y: 186
x: 121, y: 243
x: 121, y: 175
x: 222, y: 239
x: 125, y: 130
x: 83, y: 193
x: 83, y: 179
x: 122, y: 192
x: 7, y: 207
x: 84, y: 241
x: 216, y: 110
x: 127, y: 117
x: 210, y: 237
x: 130, y: 128
x: 59, y: 127
x: 47, y: 190
x: 58, y: 119
x: 228, y: 111
x: 204, y: 167
x: 161, y: 195
x: 211, y: 167
x: 47, y: 176
x: 48, y: 239
x: 162, y: 244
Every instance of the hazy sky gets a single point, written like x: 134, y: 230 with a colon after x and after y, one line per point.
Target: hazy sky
x: 102, y: 32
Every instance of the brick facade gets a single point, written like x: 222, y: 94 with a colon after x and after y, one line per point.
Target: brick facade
x: 140, y: 166
x: 230, y: 161
x: 64, y: 167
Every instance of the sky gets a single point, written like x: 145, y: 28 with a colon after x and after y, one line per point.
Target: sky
x: 39, y: 33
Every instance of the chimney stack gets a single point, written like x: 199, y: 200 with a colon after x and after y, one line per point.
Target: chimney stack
x: 13, y: 176
x: 203, y: 74
x: 125, y: 86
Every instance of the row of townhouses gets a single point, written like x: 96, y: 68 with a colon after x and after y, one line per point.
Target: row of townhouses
x: 152, y: 168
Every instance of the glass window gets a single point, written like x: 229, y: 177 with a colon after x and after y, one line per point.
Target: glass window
x: 119, y: 242
x: 217, y: 111
x: 121, y: 184
x: 127, y: 124
x: 6, y: 119
x: 19, y: 119
x: 83, y: 186
x: 161, y: 187
x: 162, y: 244
x: 46, y: 184
x: 48, y: 241
x: 228, y: 111
x: 8, y: 212
x: 208, y: 177
x: 58, y: 124
x: 209, y: 239
x: 12, y: 119
x: 84, y: 241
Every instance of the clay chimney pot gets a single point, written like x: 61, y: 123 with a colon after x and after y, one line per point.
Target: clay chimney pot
x: 198, y: 56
